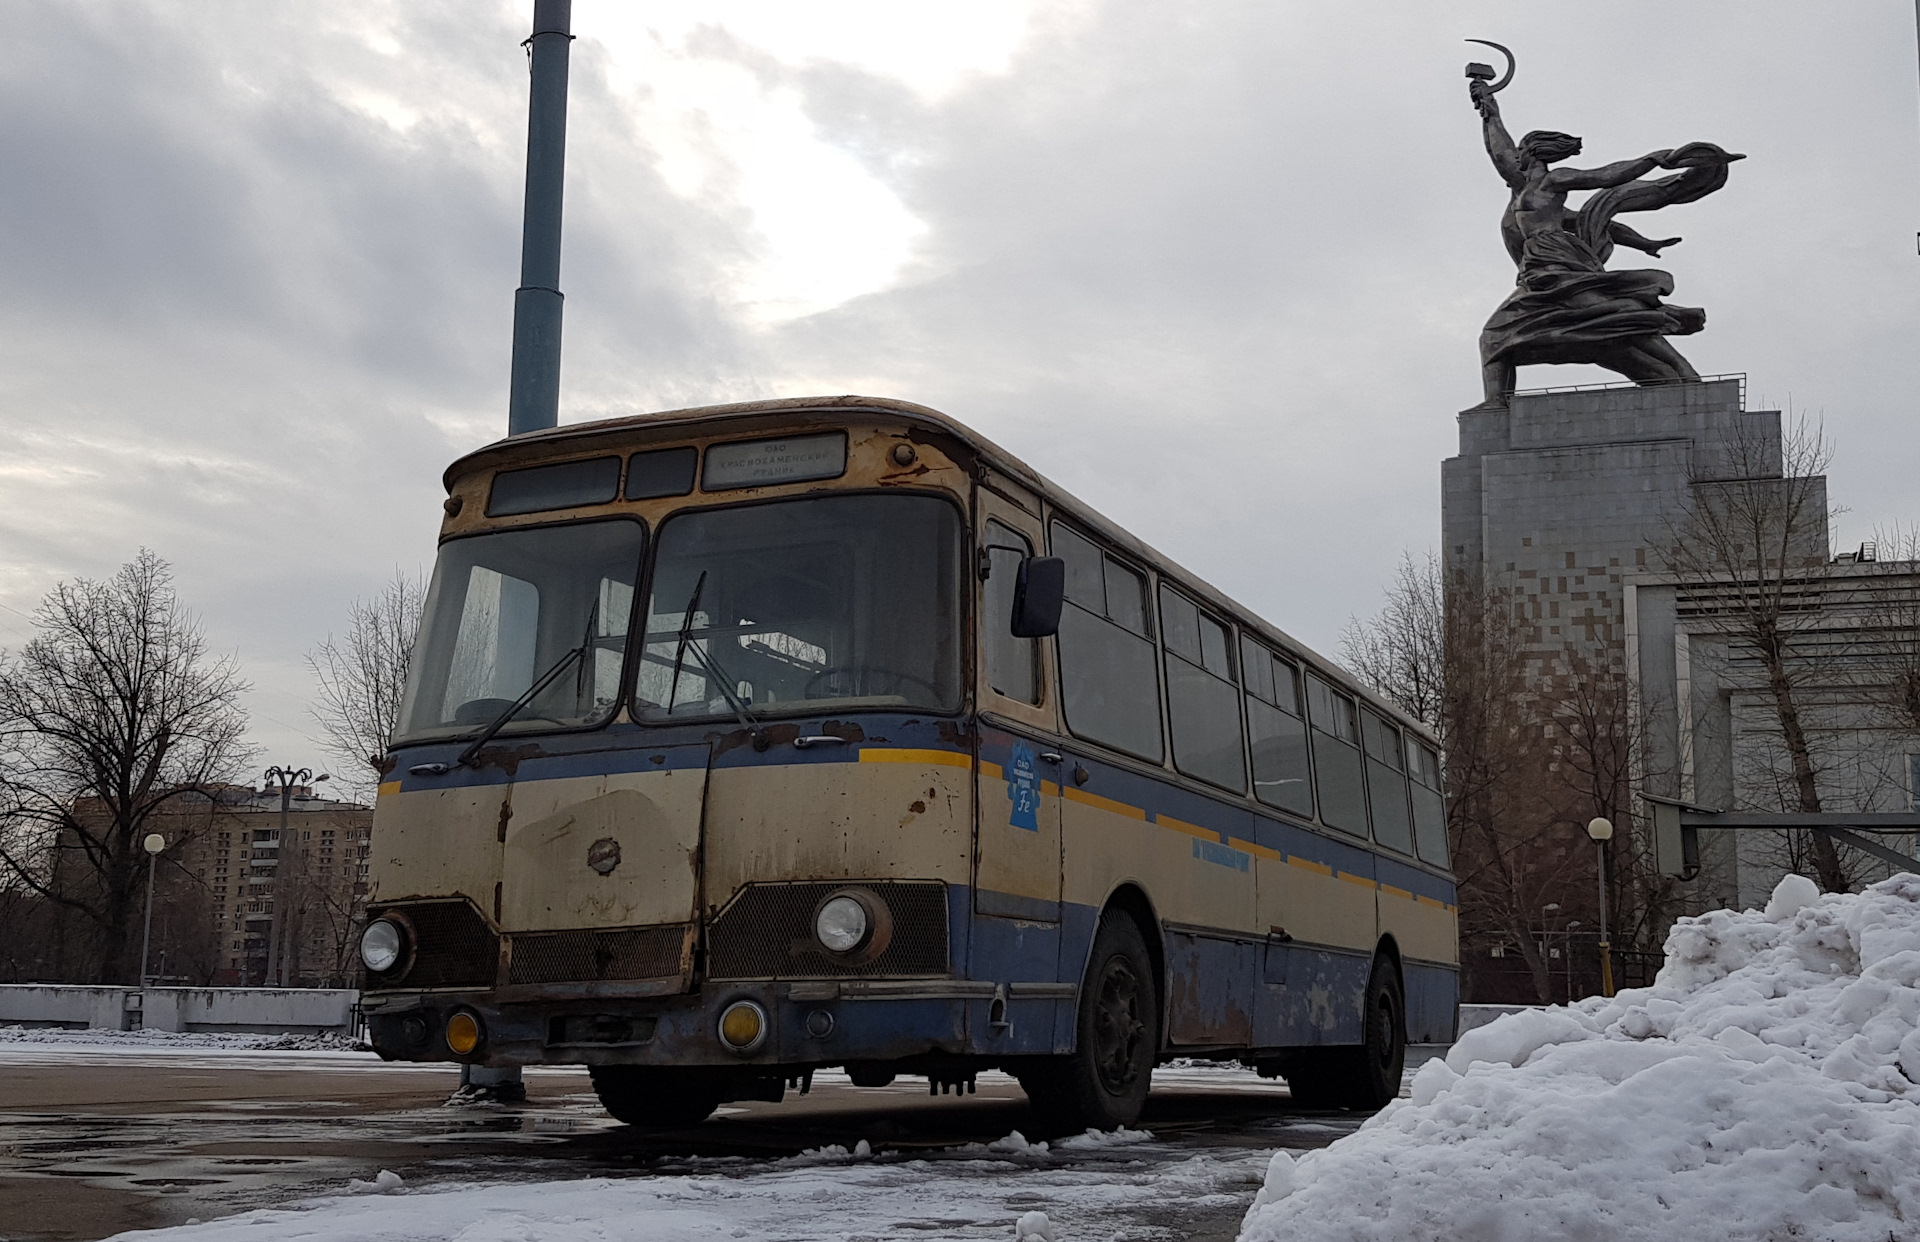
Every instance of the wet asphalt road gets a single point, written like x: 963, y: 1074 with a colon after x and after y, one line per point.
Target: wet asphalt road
x: 96, y: 1141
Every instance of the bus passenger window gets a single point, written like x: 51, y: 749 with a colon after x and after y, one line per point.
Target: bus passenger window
x: 1202, y: 706
x: 1012, y: 663
x: 1282, y: 776
x: 1429, y: 806
x: 1336, y: 758
x: 1387, y: 785
x: 1109, y: 689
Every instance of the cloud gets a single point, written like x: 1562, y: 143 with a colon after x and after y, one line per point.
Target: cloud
x: 1219, y: 270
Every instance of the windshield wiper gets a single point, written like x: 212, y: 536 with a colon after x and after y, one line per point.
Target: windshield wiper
x: 712, y: 669
x: 472, y: 752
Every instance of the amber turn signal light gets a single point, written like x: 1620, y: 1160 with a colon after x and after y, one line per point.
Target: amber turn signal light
x: 463, y: 1033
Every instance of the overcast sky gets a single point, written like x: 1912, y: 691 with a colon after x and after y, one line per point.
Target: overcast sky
x: 1217, y: 268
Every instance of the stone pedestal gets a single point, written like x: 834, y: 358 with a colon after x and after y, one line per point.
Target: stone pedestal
x: 1559, y: 496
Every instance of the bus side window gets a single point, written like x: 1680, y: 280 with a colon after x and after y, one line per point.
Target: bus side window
x: 1012, y: 663
x: 1429, y: 806
x: 1387, y: 785
x: 1202, y: 706
x: 1336, y: 758
x: 1282, y: 775
x: 1108, y: 686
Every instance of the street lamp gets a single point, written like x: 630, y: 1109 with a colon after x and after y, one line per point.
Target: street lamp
x: 287, y: 779
x: 1600, y: 828
x: 153, y: 845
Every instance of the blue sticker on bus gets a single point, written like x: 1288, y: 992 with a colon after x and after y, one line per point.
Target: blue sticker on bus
x: 1023, y: 788
x: 1226, y: 856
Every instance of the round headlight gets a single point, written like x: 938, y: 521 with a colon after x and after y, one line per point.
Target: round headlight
x: 380, y: 945
x: 743, y: 1027
x: 841, y: 924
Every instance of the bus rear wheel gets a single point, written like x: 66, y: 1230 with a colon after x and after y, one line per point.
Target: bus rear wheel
x: 1103, y: 1083
x: 649, y: 1098
x: 1363, y: 1077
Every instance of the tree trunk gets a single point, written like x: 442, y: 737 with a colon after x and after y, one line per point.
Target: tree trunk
x: 1828, y: 869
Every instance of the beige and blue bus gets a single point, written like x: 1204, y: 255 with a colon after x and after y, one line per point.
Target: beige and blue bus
x: 746, y: 741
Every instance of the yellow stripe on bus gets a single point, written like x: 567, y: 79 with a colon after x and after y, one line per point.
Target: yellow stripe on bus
x: 1432, y: 901
x: 1391, y: 891
x: 1255, y: 848
x: 388, y: 787
x: 1192, y: 830
x: 944, y: 758
x: 1351, y: 878
x: 1106, y: 804
x: 1307, y: 864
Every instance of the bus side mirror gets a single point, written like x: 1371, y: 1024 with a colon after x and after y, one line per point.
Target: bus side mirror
x: 1039, y: 590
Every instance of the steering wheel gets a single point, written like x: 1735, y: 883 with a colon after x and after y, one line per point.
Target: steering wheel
x: 854, y: 681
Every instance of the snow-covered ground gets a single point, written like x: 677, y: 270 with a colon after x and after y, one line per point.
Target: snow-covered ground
x: 1767, y: 1086
x: 1120, y: 1186
x: 211, y: 1041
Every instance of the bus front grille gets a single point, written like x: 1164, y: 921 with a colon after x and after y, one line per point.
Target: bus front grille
x: 767, y: 933
x: 452, y: 948
x: 592, y: 956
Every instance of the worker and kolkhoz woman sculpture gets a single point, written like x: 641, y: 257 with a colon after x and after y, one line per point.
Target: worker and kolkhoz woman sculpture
x: 1566, y: 306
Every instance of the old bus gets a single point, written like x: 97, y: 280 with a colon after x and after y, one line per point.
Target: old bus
x: 745, y: 741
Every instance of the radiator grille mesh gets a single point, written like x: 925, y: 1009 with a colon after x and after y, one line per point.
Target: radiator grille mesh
x: 767, y: 933
x: 591, y: 955
x: 453, y: 948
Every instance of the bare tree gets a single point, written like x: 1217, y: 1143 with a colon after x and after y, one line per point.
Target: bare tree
x: 109, y: 713
x: 1401, y: 650
x: 1757, y: 537
x: 363, y: 676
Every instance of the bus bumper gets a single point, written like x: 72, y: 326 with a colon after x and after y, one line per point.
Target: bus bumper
x: 809, y: 1023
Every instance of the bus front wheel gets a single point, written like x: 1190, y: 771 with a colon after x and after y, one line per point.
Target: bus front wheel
x: 1366, y: 1077
x: 656, y: 1099
x: 1103, y: 1083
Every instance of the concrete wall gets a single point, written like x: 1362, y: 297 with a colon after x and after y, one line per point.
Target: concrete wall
x: 267, y: 1010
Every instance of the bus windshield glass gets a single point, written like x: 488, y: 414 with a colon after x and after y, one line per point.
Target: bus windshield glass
x: 509, y: 609
x: 827, y: 602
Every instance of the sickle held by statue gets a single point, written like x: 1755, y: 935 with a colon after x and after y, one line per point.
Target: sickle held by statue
x: 1502, y: 83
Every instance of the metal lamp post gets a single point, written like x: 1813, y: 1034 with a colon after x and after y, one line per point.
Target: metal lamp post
x: 287, y: 779
x: 153, y: 845
x: 1600, y: 828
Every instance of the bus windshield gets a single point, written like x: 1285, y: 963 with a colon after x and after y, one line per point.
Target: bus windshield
x: 508, y: 609
x: 830, y: 601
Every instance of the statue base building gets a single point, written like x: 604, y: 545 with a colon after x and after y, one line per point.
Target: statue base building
x: 1559, y: 496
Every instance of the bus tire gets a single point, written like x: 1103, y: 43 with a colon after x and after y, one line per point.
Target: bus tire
x: 649, y: 1098
x: 1364, y: 1077
x: 1102, y: 1084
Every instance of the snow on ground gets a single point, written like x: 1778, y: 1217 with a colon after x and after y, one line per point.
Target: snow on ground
x: 1096, y: 1188
x: 1766, y: 1086
x: 201, y: 1041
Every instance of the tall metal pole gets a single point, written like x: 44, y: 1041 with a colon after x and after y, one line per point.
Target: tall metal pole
x: 146, y: 939
x: 534, y: 400
x: 276, y: 926
x: 1606, y: 948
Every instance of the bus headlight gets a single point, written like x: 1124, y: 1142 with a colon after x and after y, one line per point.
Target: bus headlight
x: 842, y: 924
x: 381, y: 945
x: 743, y: 1027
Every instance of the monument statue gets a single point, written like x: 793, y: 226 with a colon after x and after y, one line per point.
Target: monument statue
x: 1566, y: 306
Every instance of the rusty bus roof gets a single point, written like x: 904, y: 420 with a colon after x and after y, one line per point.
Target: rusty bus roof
x: 611, y: 433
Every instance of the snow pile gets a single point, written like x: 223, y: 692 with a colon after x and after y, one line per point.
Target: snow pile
x: 386, y: 1183
x: 207, y: 1040
x: 1035, y: 1227
x: 1766, y: 1086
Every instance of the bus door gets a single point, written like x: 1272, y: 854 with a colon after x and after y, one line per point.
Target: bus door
x: 600, y: 879
x: 1017, y: 859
